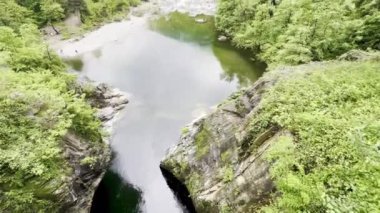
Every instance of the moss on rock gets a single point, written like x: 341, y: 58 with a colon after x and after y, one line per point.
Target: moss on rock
x: 309, y: 142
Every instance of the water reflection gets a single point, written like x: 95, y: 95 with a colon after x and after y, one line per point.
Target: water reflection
x: 237, y: 64
x: 174, y: 75
x: 115, y: 195
x: 75, y: 63
x: 185, y: 28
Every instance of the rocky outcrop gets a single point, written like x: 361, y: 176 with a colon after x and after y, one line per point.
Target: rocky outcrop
x: 89, y: 162
x: 109, y: 102
x: 218, y: 160
x: 221, y: 161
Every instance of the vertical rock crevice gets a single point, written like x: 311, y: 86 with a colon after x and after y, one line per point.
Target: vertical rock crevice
x: 179, y: 189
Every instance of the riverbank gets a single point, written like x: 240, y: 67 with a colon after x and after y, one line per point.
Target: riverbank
x: 113, y: 32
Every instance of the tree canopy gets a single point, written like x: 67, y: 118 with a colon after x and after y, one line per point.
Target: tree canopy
x: 39, y: 105
x: 295, y: 32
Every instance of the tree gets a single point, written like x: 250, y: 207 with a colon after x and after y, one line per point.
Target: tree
x: 52, y: 11
x: 294, y: 32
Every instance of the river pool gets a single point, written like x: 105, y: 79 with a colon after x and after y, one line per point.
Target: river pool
x: 174, y: 70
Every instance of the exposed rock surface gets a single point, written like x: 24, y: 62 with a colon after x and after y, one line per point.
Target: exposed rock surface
x: 211, y: 156
x: 87, y: 171
x: 200, y: 20
x: 192, y: 7
x: 219, y: 164
x: 222, y: 38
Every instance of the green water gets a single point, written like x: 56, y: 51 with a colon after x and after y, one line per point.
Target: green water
x: 75, y: 63
x: 236, y: 63
x: 114, y: 195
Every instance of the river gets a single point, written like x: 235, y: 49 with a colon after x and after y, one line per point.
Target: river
x: 174, y: 70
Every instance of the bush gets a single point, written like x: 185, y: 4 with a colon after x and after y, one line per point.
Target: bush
x: 36, y: 110
x: 332, y: 162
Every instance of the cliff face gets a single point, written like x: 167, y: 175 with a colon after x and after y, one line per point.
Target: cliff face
x: 88, y: 162
x: 211, y: 158
x: 262, y: 144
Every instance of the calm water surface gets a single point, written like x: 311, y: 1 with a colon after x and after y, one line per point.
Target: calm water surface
x: 174, y: 70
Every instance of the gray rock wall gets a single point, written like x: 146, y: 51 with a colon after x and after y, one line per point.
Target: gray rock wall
x: 78, y: 194
x: 213, y: 161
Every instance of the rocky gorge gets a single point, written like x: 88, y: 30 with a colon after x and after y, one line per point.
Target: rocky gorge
x: 222, y: 162
x: 212, y: 158
x: 89, y: 163
x: 300, y: 132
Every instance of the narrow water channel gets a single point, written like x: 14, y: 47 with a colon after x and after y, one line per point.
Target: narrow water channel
x: 175, y: 70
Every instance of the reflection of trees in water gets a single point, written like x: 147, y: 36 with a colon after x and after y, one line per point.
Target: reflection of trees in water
x: 237, y: 64
x: 185, y: 28
x: 230, y: 76
x: 114, y: 195
x: 76, y: 63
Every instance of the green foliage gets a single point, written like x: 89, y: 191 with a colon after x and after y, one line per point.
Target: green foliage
x: 51, y: 10
x: 294, y: 32
x: 202, y: 142
x: 332, y: 161
x: 226, y: 209
x: 225, y: 156
x: 38, y: 107
x: 97, y: 11
x: 42, y: 12
x: 228, y: 174
x: 91, y: 161
x: 13, y: 15
x: 24, y: 51
x: 185, y: 131
x: 194, y: 182
x: 36, y: 111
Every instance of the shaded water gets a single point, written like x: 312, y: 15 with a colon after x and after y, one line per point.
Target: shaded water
x: 174, y: 70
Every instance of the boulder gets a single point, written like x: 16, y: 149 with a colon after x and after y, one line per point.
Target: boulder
x: 222, y: 38
x: 200, y: 20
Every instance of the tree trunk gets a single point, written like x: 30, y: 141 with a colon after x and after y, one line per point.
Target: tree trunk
x: 55, y: 29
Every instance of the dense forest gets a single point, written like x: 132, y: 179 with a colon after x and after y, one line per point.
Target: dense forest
x: 42, y: 12
x: 39, y: 103
x: 295, y: 32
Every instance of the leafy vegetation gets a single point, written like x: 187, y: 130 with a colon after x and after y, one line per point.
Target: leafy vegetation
x: 39, y: 105
x: 46, y: 12
x: 36, y: 110
x: 96, y: 11
x: 332, y: 161
x: 294, y: 32
x: 202, y: 142
x: 228, y: 174
x: 23, y: 51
